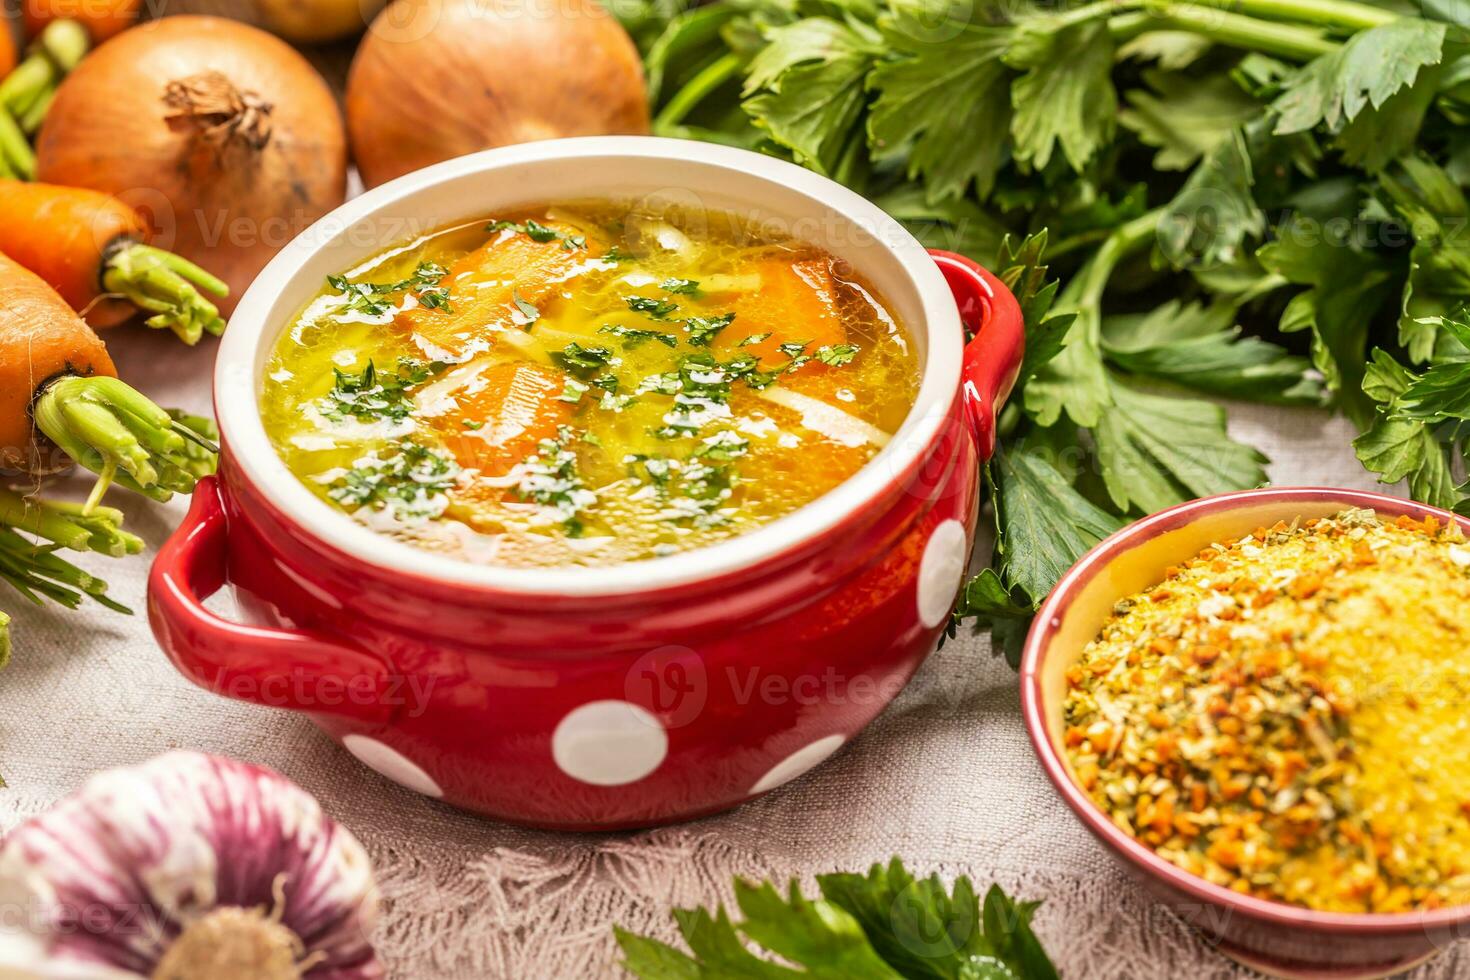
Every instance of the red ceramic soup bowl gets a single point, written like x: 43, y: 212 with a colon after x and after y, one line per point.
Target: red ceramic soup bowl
x: 594, y: 698
x: 1272, y: 937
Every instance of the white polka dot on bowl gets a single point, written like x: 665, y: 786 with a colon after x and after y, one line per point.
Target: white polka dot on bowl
x: 940, y: 572
x: 609, y: 743
x: 391, y: 763
x: 798, y: 763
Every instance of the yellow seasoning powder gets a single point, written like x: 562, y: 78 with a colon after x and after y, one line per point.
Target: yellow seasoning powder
x: 1288, y: 715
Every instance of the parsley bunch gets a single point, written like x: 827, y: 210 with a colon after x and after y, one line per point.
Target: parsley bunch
x: 1259, y: 200
x: 885, y: 925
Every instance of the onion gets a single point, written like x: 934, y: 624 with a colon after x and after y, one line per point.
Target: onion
x: 436, y: 79
x: 188, y: 867
x: 314, y: 21
x: 222, y: 136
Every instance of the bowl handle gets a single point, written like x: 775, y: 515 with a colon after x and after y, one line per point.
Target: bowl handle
x: 993, y: 358
x: 279, y: 668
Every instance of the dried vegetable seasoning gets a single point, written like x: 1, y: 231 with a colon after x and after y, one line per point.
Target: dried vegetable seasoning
x: 1289, y: 715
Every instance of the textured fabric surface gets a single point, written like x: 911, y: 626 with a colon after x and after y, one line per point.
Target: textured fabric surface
x: 945, y: 778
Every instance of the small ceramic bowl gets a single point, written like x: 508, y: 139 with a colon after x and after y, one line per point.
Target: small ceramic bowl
x: 593, y: 698
x: 1274, y: 938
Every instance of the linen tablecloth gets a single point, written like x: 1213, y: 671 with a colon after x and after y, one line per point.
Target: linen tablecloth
x: 945, y: 778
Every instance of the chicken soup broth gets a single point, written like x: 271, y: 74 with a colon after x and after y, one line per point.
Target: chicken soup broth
x: 587, y: 385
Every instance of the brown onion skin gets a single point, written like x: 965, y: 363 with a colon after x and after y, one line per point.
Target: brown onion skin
x: 436, y: 79
x: 102, y: 18
x: 228, y: 206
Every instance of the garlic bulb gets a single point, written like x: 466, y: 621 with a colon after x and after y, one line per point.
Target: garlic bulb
x: 185, y: 868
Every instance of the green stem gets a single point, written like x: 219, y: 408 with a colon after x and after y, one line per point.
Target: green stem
x: 15, y: 149
x: 1341, y: 15
x: 4, y: 639
x: 108, y: 427
x: 709, y: 78
x: 1234, y: 30
x: 1123, y: 242
x: 38, y: 574
x: 167, y: 286
x: 58, y: 50
x: 70, y: 525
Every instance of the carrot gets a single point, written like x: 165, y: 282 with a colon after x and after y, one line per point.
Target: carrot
x: 101, y: 18
x: 796, y: 303
x: 494, y: 287
x: 88, y: 246
x: 27, y: 90
x: 504, y: 413
x: 57, y: 382
x: 7, y: 48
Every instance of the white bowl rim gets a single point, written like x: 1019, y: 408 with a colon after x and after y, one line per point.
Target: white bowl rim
x: 236, y: 384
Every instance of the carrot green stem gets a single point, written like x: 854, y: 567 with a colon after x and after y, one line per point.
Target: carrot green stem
x: 36, y: 572
x: 116, y: 432
x: 69, y: 525
x: 58, y: 50
x: 4, y: 639
x: 15, y: 150
x: 168, y: 287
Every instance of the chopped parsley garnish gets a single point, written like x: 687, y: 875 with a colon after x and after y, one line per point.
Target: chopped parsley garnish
x: 538, y: 232
x: 411, y: 483
x: 691, y: 489
x: 615, y: 255
x: 369, y: 396
x: 583, y: 361
x: 573, y: 242
x: 680, y: 287
x: 367, y: 297
x: 528, y: 310
x: 573, y: 391
x: 362, y: 297
x: 633, y: 336
x: 550, y: 478
x: 724, y: 446
x: 703, y: 329
x: 836, y: 355
x: 754, y: 339
x: 701, y: 391
x: 654, y: 309
x: 794, y: 349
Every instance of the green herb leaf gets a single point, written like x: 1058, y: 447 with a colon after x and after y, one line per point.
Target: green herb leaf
x: 837, y: 355
x: 1215, y: 213
x: 680, y: 287
x: 1434, y: 209
x: 654, y: 309
x: 1158, y: 451
x: 1045, y: 524
x: 1186, y: 117
x: 411, y: 481
x: 582, y: 361
x: 1361, y: 75
x: 811, y: 85
x: 947, y: 84
x: 633, y: 336
x: 1200, y: 347
x: 527, y: 310
x: 1065, y: 96
x: 865, y: 927
x: 703, y: 329
x: 369, y: 396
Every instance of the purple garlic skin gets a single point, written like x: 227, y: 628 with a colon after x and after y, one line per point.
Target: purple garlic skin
x: 102, y: 885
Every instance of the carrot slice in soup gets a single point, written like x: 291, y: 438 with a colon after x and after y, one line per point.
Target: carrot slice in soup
x: 796, y: 303
x: 513, y: 406
x: 485, y: 285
